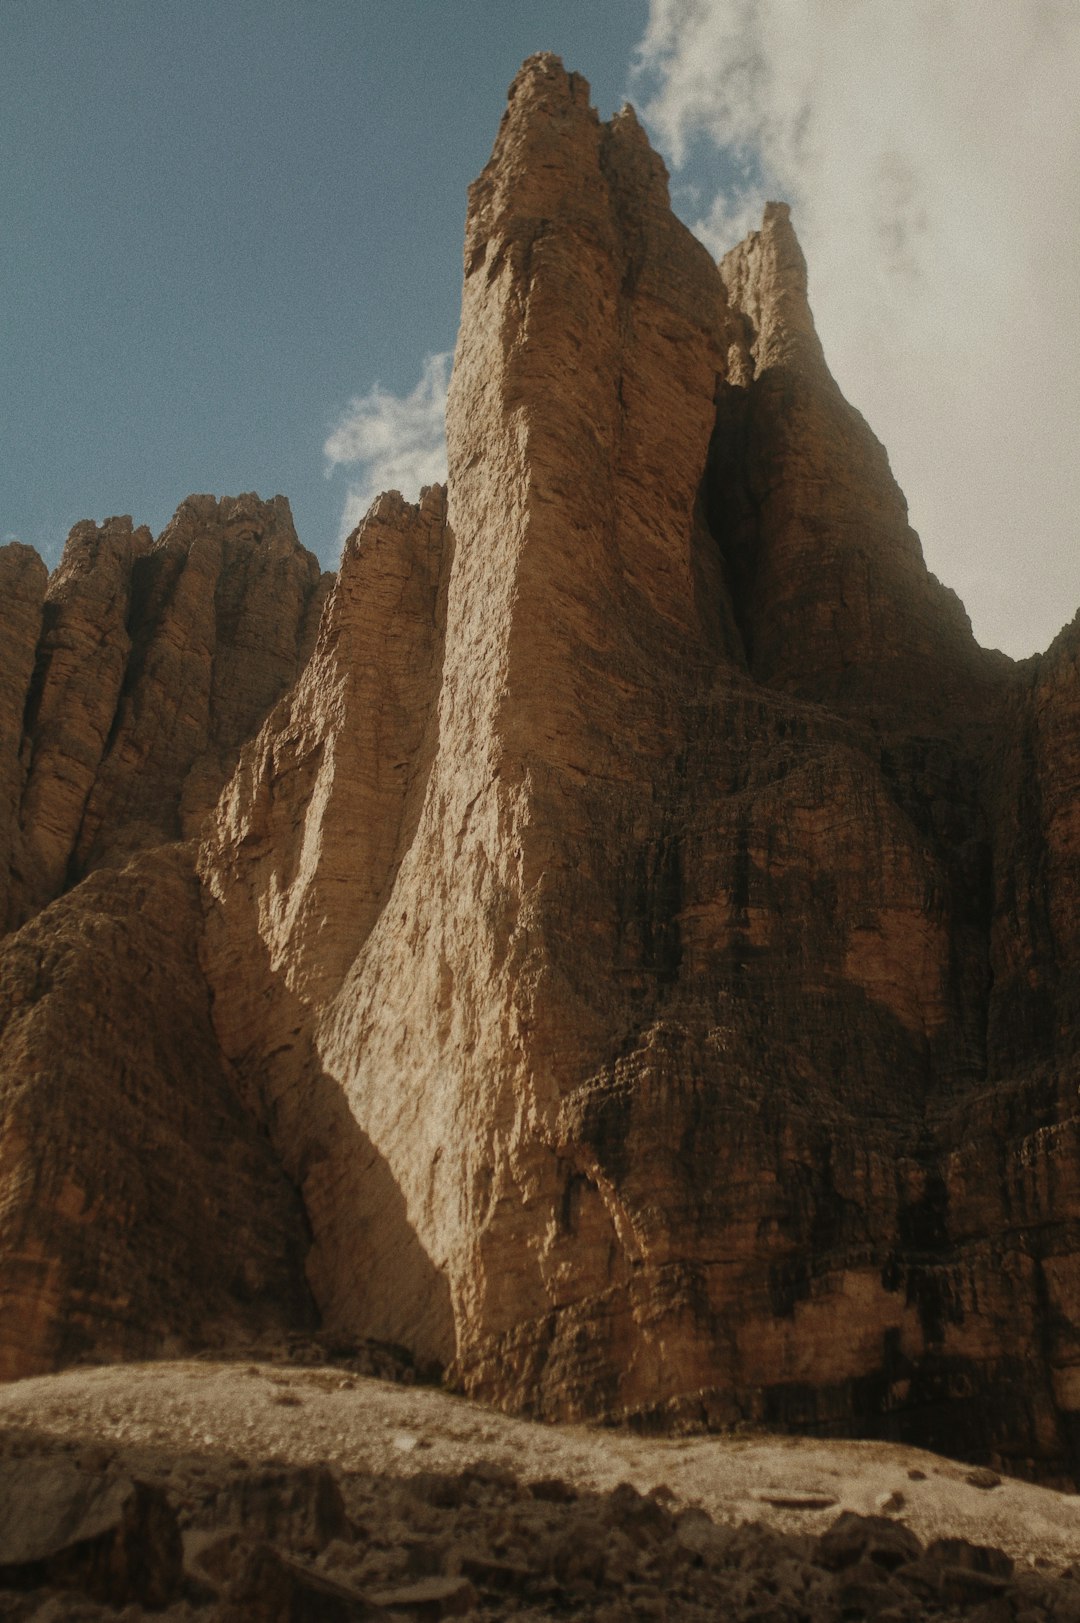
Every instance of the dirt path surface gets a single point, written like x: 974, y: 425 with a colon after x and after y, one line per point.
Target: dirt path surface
x: 420, y: 1488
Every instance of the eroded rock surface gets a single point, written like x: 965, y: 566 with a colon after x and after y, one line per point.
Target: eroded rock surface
x: 641, y: 919
x: 140, y: 1204
x: 307, y: 843
x: 106, y: 1537
x: 23, y: 580
x: 141, y: 1209
x: 129, y: 692
x: 671, y: 1027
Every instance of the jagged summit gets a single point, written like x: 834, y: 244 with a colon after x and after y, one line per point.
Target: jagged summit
x: 766, y: 280
x: 621, y: 931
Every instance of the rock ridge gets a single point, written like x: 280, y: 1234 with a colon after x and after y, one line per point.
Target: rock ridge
x: 152, y: 662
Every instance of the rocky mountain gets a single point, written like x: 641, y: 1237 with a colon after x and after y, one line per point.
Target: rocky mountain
x: 619, y: 938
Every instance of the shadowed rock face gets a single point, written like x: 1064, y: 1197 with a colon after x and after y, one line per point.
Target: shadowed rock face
x: 129, y: 687
x: 646, y: 930
x: 141, y: 1210
x: 141, y: 1206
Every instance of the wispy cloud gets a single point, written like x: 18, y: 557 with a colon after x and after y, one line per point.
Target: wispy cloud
x: 931, y: 155
x: 395, y: 442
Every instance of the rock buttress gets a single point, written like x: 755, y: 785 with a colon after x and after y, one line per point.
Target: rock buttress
x: 140, y: 1204
x: 155, y: 660
x: 831, y: 592
x: 646, y: 932
x: 141, y: 1209
x: 304, y: 850
x: 662, y: 1012
x: 23, y: 579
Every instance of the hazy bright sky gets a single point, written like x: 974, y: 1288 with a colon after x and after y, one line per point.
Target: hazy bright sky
x: 230, y: 243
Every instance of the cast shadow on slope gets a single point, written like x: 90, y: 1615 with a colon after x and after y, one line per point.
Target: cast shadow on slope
x: 203, y: 1527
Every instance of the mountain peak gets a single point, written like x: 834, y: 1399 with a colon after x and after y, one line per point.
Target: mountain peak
x: 619, y: 938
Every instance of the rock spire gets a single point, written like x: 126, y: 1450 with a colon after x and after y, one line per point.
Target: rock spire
x: 625, y: 925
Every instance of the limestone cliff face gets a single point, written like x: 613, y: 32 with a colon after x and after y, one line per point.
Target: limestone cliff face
x: 1035, y: 937
x: 307, y: 842
x: 141, y: 1209
x: 150, y: 663
x: 667, y: 1010
x: 140, y: 1204
x: 81, y: 658
x: 23, y: 579
x: 577, y: 575
x: 832, y: 595
x: 640, y: 918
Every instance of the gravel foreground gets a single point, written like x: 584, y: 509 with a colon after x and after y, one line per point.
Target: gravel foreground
x: 293, y: 1491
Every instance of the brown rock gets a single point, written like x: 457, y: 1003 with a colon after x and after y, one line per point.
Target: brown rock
x: 81, y: 660
x: 830, y: 590
x: 23, y: 578
x: 156, y: 661
x: 960, y: 1552
x: 864, y: 1591
x: 114, y: 1539
x: 636, y: 1512
x: 876, y: 1539
x: 572, y: 960
x: 430, y: 1598
x: 553, y: 1490
x: 301, y: 1509
x: 308, y: 840
x: 225, y: 608
x: 491, y: 1574
x: 796, y: 1498
x: 590, y: 580
x: 140, y: 1207
x: 645, y: 932
x: 274, y: 1589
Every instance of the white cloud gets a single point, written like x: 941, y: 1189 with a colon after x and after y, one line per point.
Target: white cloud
x: 397, y: 442
x: 931, y: 152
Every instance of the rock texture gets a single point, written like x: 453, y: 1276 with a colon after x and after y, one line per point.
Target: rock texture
x: 645, y: 927
x: 23, y: 579
x: 141, y: 1207
x: 149, y: 665
x: 307, y: 842
x: 111, y: 1539
x: 397, y: 1501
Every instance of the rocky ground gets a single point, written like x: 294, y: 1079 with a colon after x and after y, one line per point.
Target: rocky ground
x: 307, y: 1487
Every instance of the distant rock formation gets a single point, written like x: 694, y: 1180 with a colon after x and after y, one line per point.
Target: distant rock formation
x: 141, y: 1206
x: 634, y: 956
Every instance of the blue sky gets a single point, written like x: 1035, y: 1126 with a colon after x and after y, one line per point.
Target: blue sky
x: 230, y: 243
x: 222, y: 220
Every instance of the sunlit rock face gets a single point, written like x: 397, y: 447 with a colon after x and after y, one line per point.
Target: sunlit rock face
x: 636, y: 921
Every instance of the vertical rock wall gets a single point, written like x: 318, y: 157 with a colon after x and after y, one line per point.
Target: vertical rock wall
x: 306, y: 845
x: 141, y: 1210
x: 23, y: 579
x: 80, y: 665
x: 669, y: 1020
x: 638, y: 916
x: 141, y: 1206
